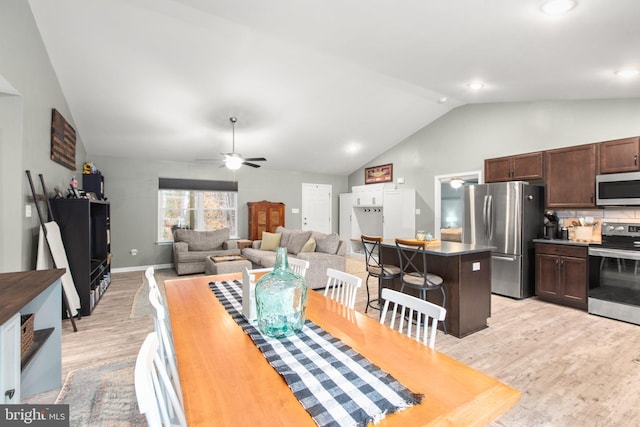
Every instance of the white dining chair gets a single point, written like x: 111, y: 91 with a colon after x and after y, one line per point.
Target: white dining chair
x: 166, y: 348
x: 156, y: 397
x: 299, y: 266
x: 149, y: 273
x: 342, y: 287
x: 404, y: 307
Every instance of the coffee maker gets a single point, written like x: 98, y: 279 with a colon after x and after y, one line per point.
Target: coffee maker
x: 550, y: 224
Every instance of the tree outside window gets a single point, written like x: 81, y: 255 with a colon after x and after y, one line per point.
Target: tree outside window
x: 196, y: 210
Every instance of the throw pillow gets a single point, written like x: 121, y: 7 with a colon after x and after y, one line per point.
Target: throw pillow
x: 328, y: 244
x: 285, y: 235
x: 310, y: 246
x: 297, y: 240
x: 270, y: 241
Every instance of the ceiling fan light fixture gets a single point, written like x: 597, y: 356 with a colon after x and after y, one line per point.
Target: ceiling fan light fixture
x: 233, y: 162
x: 456, y: 183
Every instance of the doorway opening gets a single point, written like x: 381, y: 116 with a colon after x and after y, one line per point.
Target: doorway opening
x: 448, y: 200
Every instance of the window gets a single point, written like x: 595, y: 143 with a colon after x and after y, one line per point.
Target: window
x: 196, y: 210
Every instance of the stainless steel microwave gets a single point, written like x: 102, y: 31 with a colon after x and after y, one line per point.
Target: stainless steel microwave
x: 618, y: 189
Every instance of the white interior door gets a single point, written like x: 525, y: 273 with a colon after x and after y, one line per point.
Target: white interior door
x: 316, y: 207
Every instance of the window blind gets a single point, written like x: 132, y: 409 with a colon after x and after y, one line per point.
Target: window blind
x: 196, y: 184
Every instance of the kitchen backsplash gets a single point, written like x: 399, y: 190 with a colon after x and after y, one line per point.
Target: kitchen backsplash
x: 567, y: 217
x: 603, y: 215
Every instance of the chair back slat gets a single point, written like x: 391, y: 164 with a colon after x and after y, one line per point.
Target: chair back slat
x: 155, y: 394
x: 299, y: 266
x: 342, y: 287
x: 414, y: 312
x: 162, y: 327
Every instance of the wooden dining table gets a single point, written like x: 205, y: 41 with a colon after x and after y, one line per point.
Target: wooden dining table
x: 226, y: 381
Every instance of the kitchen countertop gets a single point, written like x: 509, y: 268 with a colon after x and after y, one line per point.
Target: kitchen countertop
x: 565, y: 242
x: 447, y: 248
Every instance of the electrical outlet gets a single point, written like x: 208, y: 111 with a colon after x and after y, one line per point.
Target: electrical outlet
x: 417, y: 211
x: 27, y: 211
x: 475, y: 266
x: 133, y: 252
x: 295, y: 210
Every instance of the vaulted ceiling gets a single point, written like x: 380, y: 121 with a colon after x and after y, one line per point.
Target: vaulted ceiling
x: 317, y: 86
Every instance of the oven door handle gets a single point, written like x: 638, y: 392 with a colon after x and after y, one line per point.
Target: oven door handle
x: 613, y: 253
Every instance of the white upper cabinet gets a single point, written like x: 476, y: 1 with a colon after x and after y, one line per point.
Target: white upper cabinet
x: 368, y: 195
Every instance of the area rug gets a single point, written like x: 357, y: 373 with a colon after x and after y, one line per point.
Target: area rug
x: 102, y: 395
x: 141, y: 306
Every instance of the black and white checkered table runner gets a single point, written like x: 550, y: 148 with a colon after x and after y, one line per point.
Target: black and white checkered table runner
x: 335, y: 384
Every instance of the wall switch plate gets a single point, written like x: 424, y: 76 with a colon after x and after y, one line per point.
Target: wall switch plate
x: 475, y: 266
x: 417, y: 211
x: 401, y: 180
x: 27, y: 211
x: 295, y: 210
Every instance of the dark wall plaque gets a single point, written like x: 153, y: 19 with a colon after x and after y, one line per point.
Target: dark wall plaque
x: 63, y: 141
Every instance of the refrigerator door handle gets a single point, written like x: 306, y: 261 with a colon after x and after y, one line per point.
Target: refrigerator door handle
x: 490, y: 217
x: 485, y: 222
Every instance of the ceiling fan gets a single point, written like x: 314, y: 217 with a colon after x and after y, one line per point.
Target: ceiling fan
x: 235, y: 160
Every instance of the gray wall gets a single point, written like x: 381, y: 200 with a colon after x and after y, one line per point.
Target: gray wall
x: 457, y: 142
x: 131, y: 187
x: 460, y: 140
x: 25, y: 128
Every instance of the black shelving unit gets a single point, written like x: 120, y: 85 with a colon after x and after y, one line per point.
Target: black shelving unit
x: 94, y: 183
x: 85, y: 228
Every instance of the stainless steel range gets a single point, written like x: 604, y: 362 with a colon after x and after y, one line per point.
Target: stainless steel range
x: 614, y: 265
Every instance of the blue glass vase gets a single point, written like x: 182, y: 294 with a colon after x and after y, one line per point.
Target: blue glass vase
x: 281, y: 299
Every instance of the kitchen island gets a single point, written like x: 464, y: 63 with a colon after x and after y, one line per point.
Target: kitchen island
x: 466, y: 270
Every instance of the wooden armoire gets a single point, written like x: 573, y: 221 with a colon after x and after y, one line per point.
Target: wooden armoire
x: 264, y: 216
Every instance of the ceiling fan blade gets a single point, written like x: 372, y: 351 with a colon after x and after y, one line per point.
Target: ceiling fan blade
x: 253, y: 165
x: 208, y: 160
x: 256, y: 159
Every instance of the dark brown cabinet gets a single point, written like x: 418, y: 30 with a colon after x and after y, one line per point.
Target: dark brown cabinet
x: 264, y: 216
x: 620, y: 155
x: 562, y: 273
x: 570, y: 176
x: 523, y: 167
x: 85, y: 229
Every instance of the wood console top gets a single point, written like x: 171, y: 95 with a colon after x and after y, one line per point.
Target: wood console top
x: 20, y: 288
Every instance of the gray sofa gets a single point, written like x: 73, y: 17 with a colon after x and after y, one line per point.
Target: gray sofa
x: 330, y: 252
x: 191, y: 248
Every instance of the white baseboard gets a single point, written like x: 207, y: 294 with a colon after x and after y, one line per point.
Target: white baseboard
x: 140, y: 268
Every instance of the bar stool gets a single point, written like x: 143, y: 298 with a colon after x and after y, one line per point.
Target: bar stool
x: 416, y: 276
x: 376, y: 268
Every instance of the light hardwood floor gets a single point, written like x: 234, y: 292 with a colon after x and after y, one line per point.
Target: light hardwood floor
x: 572, y: 368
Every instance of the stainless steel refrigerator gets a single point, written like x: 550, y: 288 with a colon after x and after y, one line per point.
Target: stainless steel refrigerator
x: 508, y: 216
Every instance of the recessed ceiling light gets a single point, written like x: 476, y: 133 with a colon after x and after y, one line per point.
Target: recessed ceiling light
x: 442, y: 100
x: 558, y: 7
x: 353, y: 148
x: 475, y: 85
x: 627, y: 73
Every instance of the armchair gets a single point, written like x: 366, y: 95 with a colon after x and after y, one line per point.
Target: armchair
x: 191, y: 248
